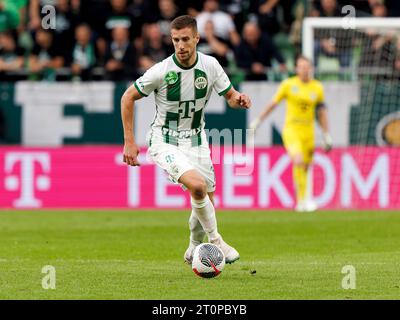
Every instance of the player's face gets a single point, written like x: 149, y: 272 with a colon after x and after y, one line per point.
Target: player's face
x: 304, y: 69
x: 185, y: 41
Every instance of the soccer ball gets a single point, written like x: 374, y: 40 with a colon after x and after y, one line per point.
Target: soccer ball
x: 208, y: 260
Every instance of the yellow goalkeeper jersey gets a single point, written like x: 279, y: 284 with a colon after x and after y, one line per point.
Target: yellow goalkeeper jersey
x: 302, y: 99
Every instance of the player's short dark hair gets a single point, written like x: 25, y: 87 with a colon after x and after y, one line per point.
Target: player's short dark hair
x: 184, y: 22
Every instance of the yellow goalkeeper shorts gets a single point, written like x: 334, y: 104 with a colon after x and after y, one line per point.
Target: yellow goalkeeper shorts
x: 297, y: 141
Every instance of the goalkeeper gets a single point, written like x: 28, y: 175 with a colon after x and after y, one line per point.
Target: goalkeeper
x: 305, y: 98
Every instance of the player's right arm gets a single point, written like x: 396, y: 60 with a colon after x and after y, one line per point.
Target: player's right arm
x: 267, y: 110
x: 279, y: 96
x: 131, y: 150
x: 142, y: 87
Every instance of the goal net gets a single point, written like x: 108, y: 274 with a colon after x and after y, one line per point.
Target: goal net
x: 363, y: 54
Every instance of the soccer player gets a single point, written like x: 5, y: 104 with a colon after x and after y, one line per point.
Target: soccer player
x: 182, y: 85
x: 305, y: 98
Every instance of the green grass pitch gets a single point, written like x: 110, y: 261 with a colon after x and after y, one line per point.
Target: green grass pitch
x: 139, y: 255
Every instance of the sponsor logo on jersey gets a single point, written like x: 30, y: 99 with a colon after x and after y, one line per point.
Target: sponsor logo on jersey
x: 182, y: 134
x: 200, y: 83
x: 171, y: 77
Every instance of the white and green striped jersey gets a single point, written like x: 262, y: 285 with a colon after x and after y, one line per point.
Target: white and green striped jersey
x: 181, y: 94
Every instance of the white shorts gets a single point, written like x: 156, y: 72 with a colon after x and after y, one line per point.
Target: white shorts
x: 176, y: 160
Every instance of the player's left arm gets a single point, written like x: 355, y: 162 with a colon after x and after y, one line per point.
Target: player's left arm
x: 237, y: 100
x: 223, y: 87
x: 322, y: 118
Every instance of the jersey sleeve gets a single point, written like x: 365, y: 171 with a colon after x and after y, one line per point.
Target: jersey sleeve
x: 282, y: 92
x: 221, y: 84
x: 149, y: 81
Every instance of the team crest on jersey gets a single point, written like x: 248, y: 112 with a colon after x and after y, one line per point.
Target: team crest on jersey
x: 171, y: 77
x: 313, y: 96
x: 295, y: 89
x: 200, y: 83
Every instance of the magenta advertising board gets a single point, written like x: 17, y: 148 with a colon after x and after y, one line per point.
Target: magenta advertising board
x: 96, y: 177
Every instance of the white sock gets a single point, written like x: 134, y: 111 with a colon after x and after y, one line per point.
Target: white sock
x: 197, y: 232
x: 205, y: 212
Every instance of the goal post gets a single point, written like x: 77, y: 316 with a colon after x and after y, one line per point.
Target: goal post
x: 311, y: 24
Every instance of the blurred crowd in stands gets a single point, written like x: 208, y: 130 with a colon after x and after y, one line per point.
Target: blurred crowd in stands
x: 119, y: 39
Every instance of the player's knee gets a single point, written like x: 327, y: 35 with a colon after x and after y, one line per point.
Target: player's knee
x: 199, y: 190
x: 298, y: 160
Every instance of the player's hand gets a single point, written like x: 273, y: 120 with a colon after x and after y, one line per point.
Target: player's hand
x: 243, y: 101
x: 251, y: 134
x: 255, y: 124
x: 131, y: 152
x: 327, y: 142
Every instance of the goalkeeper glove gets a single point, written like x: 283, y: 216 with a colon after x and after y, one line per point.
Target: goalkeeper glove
x: 327, y: 141
x: 252, y: 132
x: 255, y: 123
